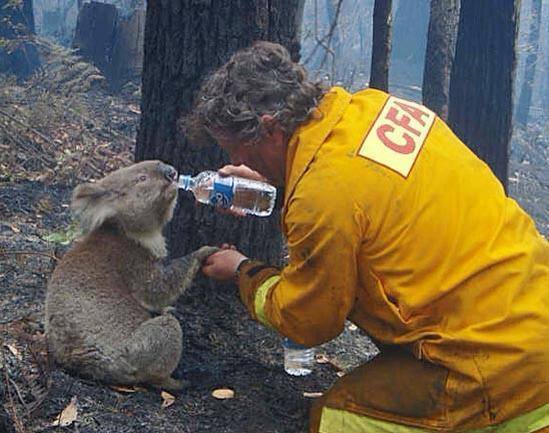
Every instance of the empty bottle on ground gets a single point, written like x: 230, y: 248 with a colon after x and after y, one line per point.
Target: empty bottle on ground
x: 298, y: 360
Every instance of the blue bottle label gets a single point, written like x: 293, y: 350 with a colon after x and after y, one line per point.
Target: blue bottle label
x: 223, y: 192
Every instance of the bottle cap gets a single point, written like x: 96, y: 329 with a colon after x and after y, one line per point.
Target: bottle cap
x: 184, y: 181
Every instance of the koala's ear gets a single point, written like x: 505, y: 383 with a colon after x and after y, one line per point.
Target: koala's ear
x: 88, y: 190
x: 89, y: 206
x: 85, y: 194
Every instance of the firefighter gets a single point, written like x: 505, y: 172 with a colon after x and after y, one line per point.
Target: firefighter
x: 394, y: 224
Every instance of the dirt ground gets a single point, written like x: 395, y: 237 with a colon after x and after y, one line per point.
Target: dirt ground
x: 223, y: 347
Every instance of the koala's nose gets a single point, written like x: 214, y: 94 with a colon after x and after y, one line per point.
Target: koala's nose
x: 169, y: 172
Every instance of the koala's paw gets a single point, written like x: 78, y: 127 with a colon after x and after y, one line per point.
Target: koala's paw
x: 204, y: 252
x: 191, y: 263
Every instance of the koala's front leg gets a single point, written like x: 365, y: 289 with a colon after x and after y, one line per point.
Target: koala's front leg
x: 170, y: 281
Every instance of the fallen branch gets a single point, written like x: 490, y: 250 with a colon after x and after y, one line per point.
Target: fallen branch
x: 109, y: 131
x: 38, y: 155
x: 30, y: 128
x: 18, y: 392
x: 10, y: 406
x: 36, y: 253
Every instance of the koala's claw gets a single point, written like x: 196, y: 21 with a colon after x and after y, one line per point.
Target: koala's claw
x: 168, y: 310
x: 204, y: 252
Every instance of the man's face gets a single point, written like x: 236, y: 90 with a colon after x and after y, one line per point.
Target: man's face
x: 266, y: 156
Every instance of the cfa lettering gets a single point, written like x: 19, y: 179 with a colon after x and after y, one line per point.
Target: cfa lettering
x: 399, y: 118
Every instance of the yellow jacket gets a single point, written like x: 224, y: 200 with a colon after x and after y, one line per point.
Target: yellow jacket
x: 393, y: 223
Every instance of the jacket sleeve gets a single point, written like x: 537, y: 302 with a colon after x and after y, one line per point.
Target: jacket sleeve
x: 311, y: 298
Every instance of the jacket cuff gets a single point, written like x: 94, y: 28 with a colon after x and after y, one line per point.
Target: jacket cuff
x: 251, y: 274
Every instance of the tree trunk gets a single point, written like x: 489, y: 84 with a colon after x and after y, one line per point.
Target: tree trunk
x: 525, y: 99
x: 441, y: 42
x: 481, y: 86
x: 127, y: 58
x: 381, y: 45
x: 95, y: 34
x: 18, y: 55
x: 184, y: 40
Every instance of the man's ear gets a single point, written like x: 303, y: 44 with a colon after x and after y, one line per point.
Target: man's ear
x: 269, y: 122
x: 271, y: 125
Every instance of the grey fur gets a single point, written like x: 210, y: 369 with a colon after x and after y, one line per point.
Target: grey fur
x: 108, y: 301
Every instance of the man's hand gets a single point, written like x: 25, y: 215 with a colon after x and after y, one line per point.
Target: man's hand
x: 241, y: 171
x: 223, y: 264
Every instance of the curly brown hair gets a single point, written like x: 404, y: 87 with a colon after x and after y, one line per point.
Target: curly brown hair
x: 261, y: 79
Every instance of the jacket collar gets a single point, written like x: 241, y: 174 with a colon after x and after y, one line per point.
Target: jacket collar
x: 308, y: 138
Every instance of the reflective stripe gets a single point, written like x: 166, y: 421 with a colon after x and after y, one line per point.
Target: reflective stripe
x: 341, y: 421
x: 527, y: 423
x: 261, y: 297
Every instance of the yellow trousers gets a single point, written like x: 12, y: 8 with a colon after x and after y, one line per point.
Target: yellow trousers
x: 396, y: 393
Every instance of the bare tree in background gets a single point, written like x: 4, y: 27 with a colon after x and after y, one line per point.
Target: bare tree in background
x: 481, y: 86
x: 439, y: 57
x: 381, y: 45
x: 184, y: 40
x: 351, y: 22
x: 324, y: 50
x: 95, y: 33
x: 18, y: 55
x: 525, y: 99
x: 333, y: 8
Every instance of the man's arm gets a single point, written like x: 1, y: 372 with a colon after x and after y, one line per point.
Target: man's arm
x: 311, y: 298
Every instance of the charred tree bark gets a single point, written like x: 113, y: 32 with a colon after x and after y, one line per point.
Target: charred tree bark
x: 184, y: 40
x: 439, y: 57
x: 127, y: 57
x: 481, y: 86
x: 95, y: 34
x: 18, y: 55
x: 381, y: 45
x: 525, y: 99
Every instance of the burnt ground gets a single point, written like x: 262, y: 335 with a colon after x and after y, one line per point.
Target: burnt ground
x: 60, y: 130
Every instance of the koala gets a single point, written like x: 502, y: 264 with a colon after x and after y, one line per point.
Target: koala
x: 108, y: 300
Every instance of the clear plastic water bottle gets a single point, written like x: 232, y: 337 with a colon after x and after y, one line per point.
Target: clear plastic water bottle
x: 298, y: 360
x: 231, y: 192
